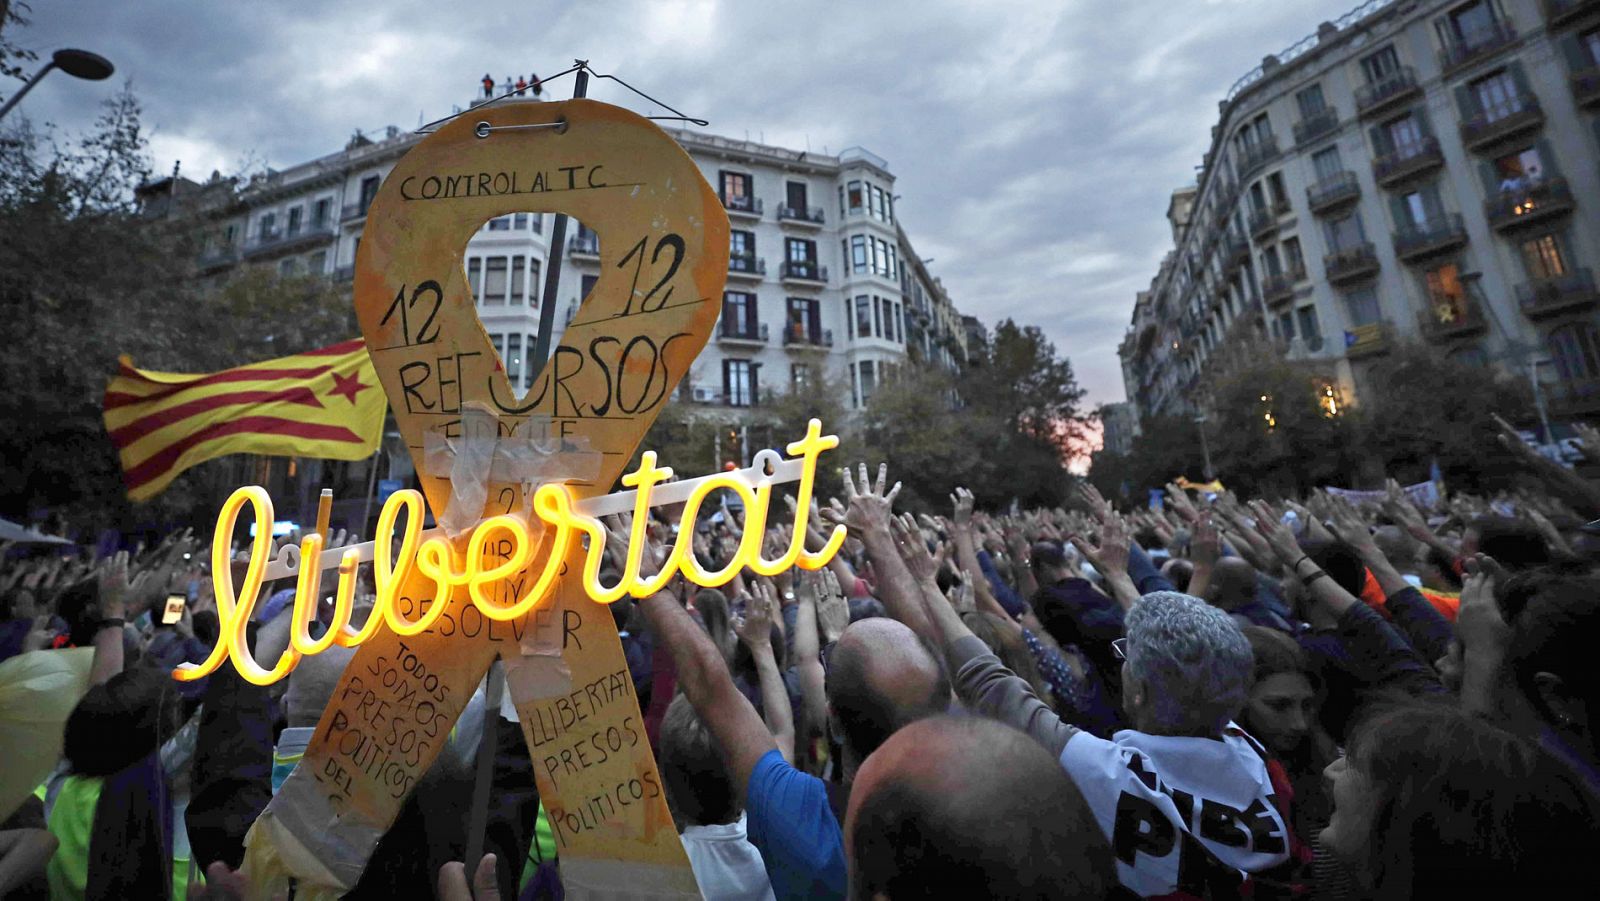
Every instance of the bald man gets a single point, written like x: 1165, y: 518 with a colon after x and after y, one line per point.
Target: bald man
x: 970, y: 808
x: 881, y: 678
x: 1236, y: 588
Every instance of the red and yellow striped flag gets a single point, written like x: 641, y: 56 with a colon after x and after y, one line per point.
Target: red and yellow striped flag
x: 323, y: 403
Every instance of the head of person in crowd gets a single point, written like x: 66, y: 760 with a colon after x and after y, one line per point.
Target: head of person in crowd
x: 880, y: 678
x: 1007, y: 644
x: 1188, y: 666
x: 1516, y: 544
x: 964, y: 807
x: 1233, y: 584
x: 1435, y: 568
x: 1397, y: 545
x: 1178, y: 571
x: 312, y: 683
x: 712, y: 607
x: 78, y: 605
x: 1281, y: 708
x: 693, y: 772
x: 866, y: 608
x: 1430, y: 801
x: 1555, y: 627
x: 1049, y: 563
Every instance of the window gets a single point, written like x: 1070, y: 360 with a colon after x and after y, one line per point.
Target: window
x: 1293, y: 257
x: 1421, y: 206
x: 494, y: 280
x: 879, y: 203
x: 799, y: 376
x: 228, y: 235
x: 294, y: 220
x: 802, y: 252
x: 1345, y: 233
x: 1468, y: 24
x: 530, y: 365
x: 1258, y: 199
x: 1543, y: 257
x: 535, y: 286
x: 868, y: 379
x: 288, y: 267
x: 1405, y: 136
x: 1380, y: 65
x: 1519, y: 171
x: 1270, y: 262
x: 587, y: 286
x: 794, y: 195
x: 805, y: 320
x: 1280, y: 197
x: 739, y: 382
x: 317, y: 263
x: 369, y: 190
x: 320, y: 212
x: 498, y: 342
x: 858, y: 253
x: 519, y: 276
x: 269, y: 226
x: 1447, y: 297
x: 1310, y: 330
x: 1326, y: 162
x: 500, y: 224
x: 1496, y: 96
x: 519, y: 221
x: 1363, y: 305
x: 877, y: 316
x: 1310, y: 101
x: 1285, y: 326
x: 537, y: 221
x: 1575, y: 349
x: 513, y: 358
x: 742, y: 246
x: 1589, y: 43
x: 739, y: 318
x: 737, y: 191
x: 855, y: 197
x: 864, y: 316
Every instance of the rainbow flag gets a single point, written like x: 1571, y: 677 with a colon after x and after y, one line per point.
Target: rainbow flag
x: 322, y: 403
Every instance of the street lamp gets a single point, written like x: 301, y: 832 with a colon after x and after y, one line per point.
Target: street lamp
x: 77, y: 63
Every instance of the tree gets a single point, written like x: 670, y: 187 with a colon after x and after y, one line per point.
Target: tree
x: 910, y: 423
x: 1271, y: 434
x: 85, y: 278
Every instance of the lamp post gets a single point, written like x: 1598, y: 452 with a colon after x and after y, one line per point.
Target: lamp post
x: 1538, y: 402
x: 1205, y: 449
x: 77, y: 63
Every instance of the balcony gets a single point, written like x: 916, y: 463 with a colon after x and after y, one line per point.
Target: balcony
x: 345, y: 274
x: 1262, y: 224
x: 1530, y: 205
x: 1480, y: 44
x: 1571, y: 398
x: 1278, y: 289
x: 354, y: 211
x: 1399, y: 87
x: 804, y: 272
x: 1488, y: 129
x: 798, y: 336
x: 752, y: 268
x: 1450, y: 321
x: 584, y: 247
x: 1561, y: 13
x: 1316, y: 125
x: 1234, y: 252
x: 1586, y: 86
x: 809, y: 216
x: 1547, y: 297
x: 1368, y: 340
x: 288, y: 241
x: 743, y: 206
x: 733, y: 332
x: 1353, y: 264
x: 1257, y: 155
x: 1406, y: 163
x: 1418, y: 241
x: 1333, y: 193
x: 213, y: 258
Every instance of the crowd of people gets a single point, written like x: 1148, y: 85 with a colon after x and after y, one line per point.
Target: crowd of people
x: 1209, y: 698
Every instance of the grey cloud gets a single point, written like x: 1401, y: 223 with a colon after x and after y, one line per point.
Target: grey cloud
x: 1035, y: 143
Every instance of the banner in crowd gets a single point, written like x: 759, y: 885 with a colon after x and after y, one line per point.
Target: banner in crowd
x: 663, y: 261
x: 1423, y: 494
x: 322, y: 403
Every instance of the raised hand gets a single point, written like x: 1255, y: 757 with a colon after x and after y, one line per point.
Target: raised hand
x: 1110, y: 556
x: 114, y: 586
x: 961, y: 595
x: 962, y: 501
x: 1089, y: 496
x: 913, y: 549
x: 754, y: 625
x: 1479, y: 624
x: 1349, y: 527
x: 1279, y: 537
x: 1205, y: 545
x: 833, y: 611
x: 869, y: 507
x: 1181, y: 504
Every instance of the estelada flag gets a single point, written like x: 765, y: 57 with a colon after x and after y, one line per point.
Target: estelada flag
x: 322, y: 403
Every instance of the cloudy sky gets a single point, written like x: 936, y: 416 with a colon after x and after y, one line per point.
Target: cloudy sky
x: 1035, y: 143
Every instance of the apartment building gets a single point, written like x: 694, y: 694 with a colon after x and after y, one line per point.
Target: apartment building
x: 1416, y: 170
x: 792, y: 311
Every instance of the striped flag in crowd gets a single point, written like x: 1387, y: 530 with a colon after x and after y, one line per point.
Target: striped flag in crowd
x: 322, y: 403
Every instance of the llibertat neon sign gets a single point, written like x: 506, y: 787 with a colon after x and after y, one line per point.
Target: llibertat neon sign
x: 450, y: 566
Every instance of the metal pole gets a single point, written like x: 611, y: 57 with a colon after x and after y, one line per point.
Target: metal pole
x: 1205, y: 449
x: 372, y: 489
x: 1545, y: 436
x: 15, y: 98
x: 552, y: 272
